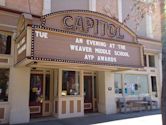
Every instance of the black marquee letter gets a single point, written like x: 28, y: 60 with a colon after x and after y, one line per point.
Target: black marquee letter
x: 96, y: 26
x: 119, y: 35
x: 102, y: 26
x: 66, y: 22
x: 89, y: 23
x: 79, y: 24
x: 111, y: 31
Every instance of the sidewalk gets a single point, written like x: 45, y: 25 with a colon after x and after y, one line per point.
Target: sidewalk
x: 113, y: 119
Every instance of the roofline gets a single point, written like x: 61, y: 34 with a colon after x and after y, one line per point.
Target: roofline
x: 17, y: 11
x: 149, y: 39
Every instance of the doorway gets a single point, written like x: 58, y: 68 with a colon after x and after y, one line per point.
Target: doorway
x: 90, y: 98
x: 36, y: 92
x: 41, y: 93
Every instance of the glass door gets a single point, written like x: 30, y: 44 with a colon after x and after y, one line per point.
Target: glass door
x: 88, y: 95
x: 48, y: 93
x: 36, y: 95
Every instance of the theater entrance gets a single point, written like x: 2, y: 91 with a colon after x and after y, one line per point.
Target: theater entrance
x: 90, y: 97
x: 41, y: 93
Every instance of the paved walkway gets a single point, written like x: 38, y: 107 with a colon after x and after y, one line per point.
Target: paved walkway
x: 136, y: 118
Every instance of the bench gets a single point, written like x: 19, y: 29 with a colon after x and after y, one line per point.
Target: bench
x: 136, y: 104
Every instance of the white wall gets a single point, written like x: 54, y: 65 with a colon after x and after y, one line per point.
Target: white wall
x: 107, y: 102
x: 19, y: 95
x: 110, y: 94
x: 92, y: 5
x: 60, y: 5
x: 46, y: 7
x: 2, y: 2
x: 101, y: 90
x: 120, y: 11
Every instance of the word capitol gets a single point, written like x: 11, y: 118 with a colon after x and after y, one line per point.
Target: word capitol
x: 92, y: 26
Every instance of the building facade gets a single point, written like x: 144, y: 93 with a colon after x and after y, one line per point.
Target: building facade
x: 64, y: 60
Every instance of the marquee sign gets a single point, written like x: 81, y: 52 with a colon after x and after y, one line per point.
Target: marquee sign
x: 88, y: 23
x: 78, y: 36
x: 52, y: 45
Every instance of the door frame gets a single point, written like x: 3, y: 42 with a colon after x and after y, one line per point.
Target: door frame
x: 94, y: 100
x: 36, y: 106
x: 47, y: 105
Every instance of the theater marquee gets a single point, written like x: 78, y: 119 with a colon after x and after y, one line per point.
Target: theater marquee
x: 54, y: 46
x: 79, y: 36
x: 88, y: 23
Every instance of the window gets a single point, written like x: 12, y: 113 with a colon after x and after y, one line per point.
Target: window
x: 151, y: 61
x: 60, y: 5
x: 136, y: 84
x: 145, y: 62
x: 154, y: 85
x: 70, y: 83
x: 95, y: 87
x: 4, y: 79
x: 118, y: 83
x: 47, y: 85
x: 5, y: 43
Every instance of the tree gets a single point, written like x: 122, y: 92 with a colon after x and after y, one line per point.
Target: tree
x: 163, y: 96
x: 137, y: 12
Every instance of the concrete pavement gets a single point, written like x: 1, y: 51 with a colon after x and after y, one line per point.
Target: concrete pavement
x: 136, y: 118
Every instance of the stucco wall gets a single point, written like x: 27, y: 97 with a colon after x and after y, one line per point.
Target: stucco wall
x: 58, y: 5
x: 138, y: 25
x: 154, y: 46
x: 134, y: 18
x: 156, y: 22
x: 108, y: 7
x: 106, y: 95
x: 22, y: 5
x: 19, y: 95
x: 134, y: 21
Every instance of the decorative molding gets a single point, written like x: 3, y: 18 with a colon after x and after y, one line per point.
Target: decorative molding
x: 16, y: 11
x: 56, y: 107
x: 63, y: 107
x: 78, y: 105
x: 71, y: 106
x: 148, y: 39
x: 47, y: 107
